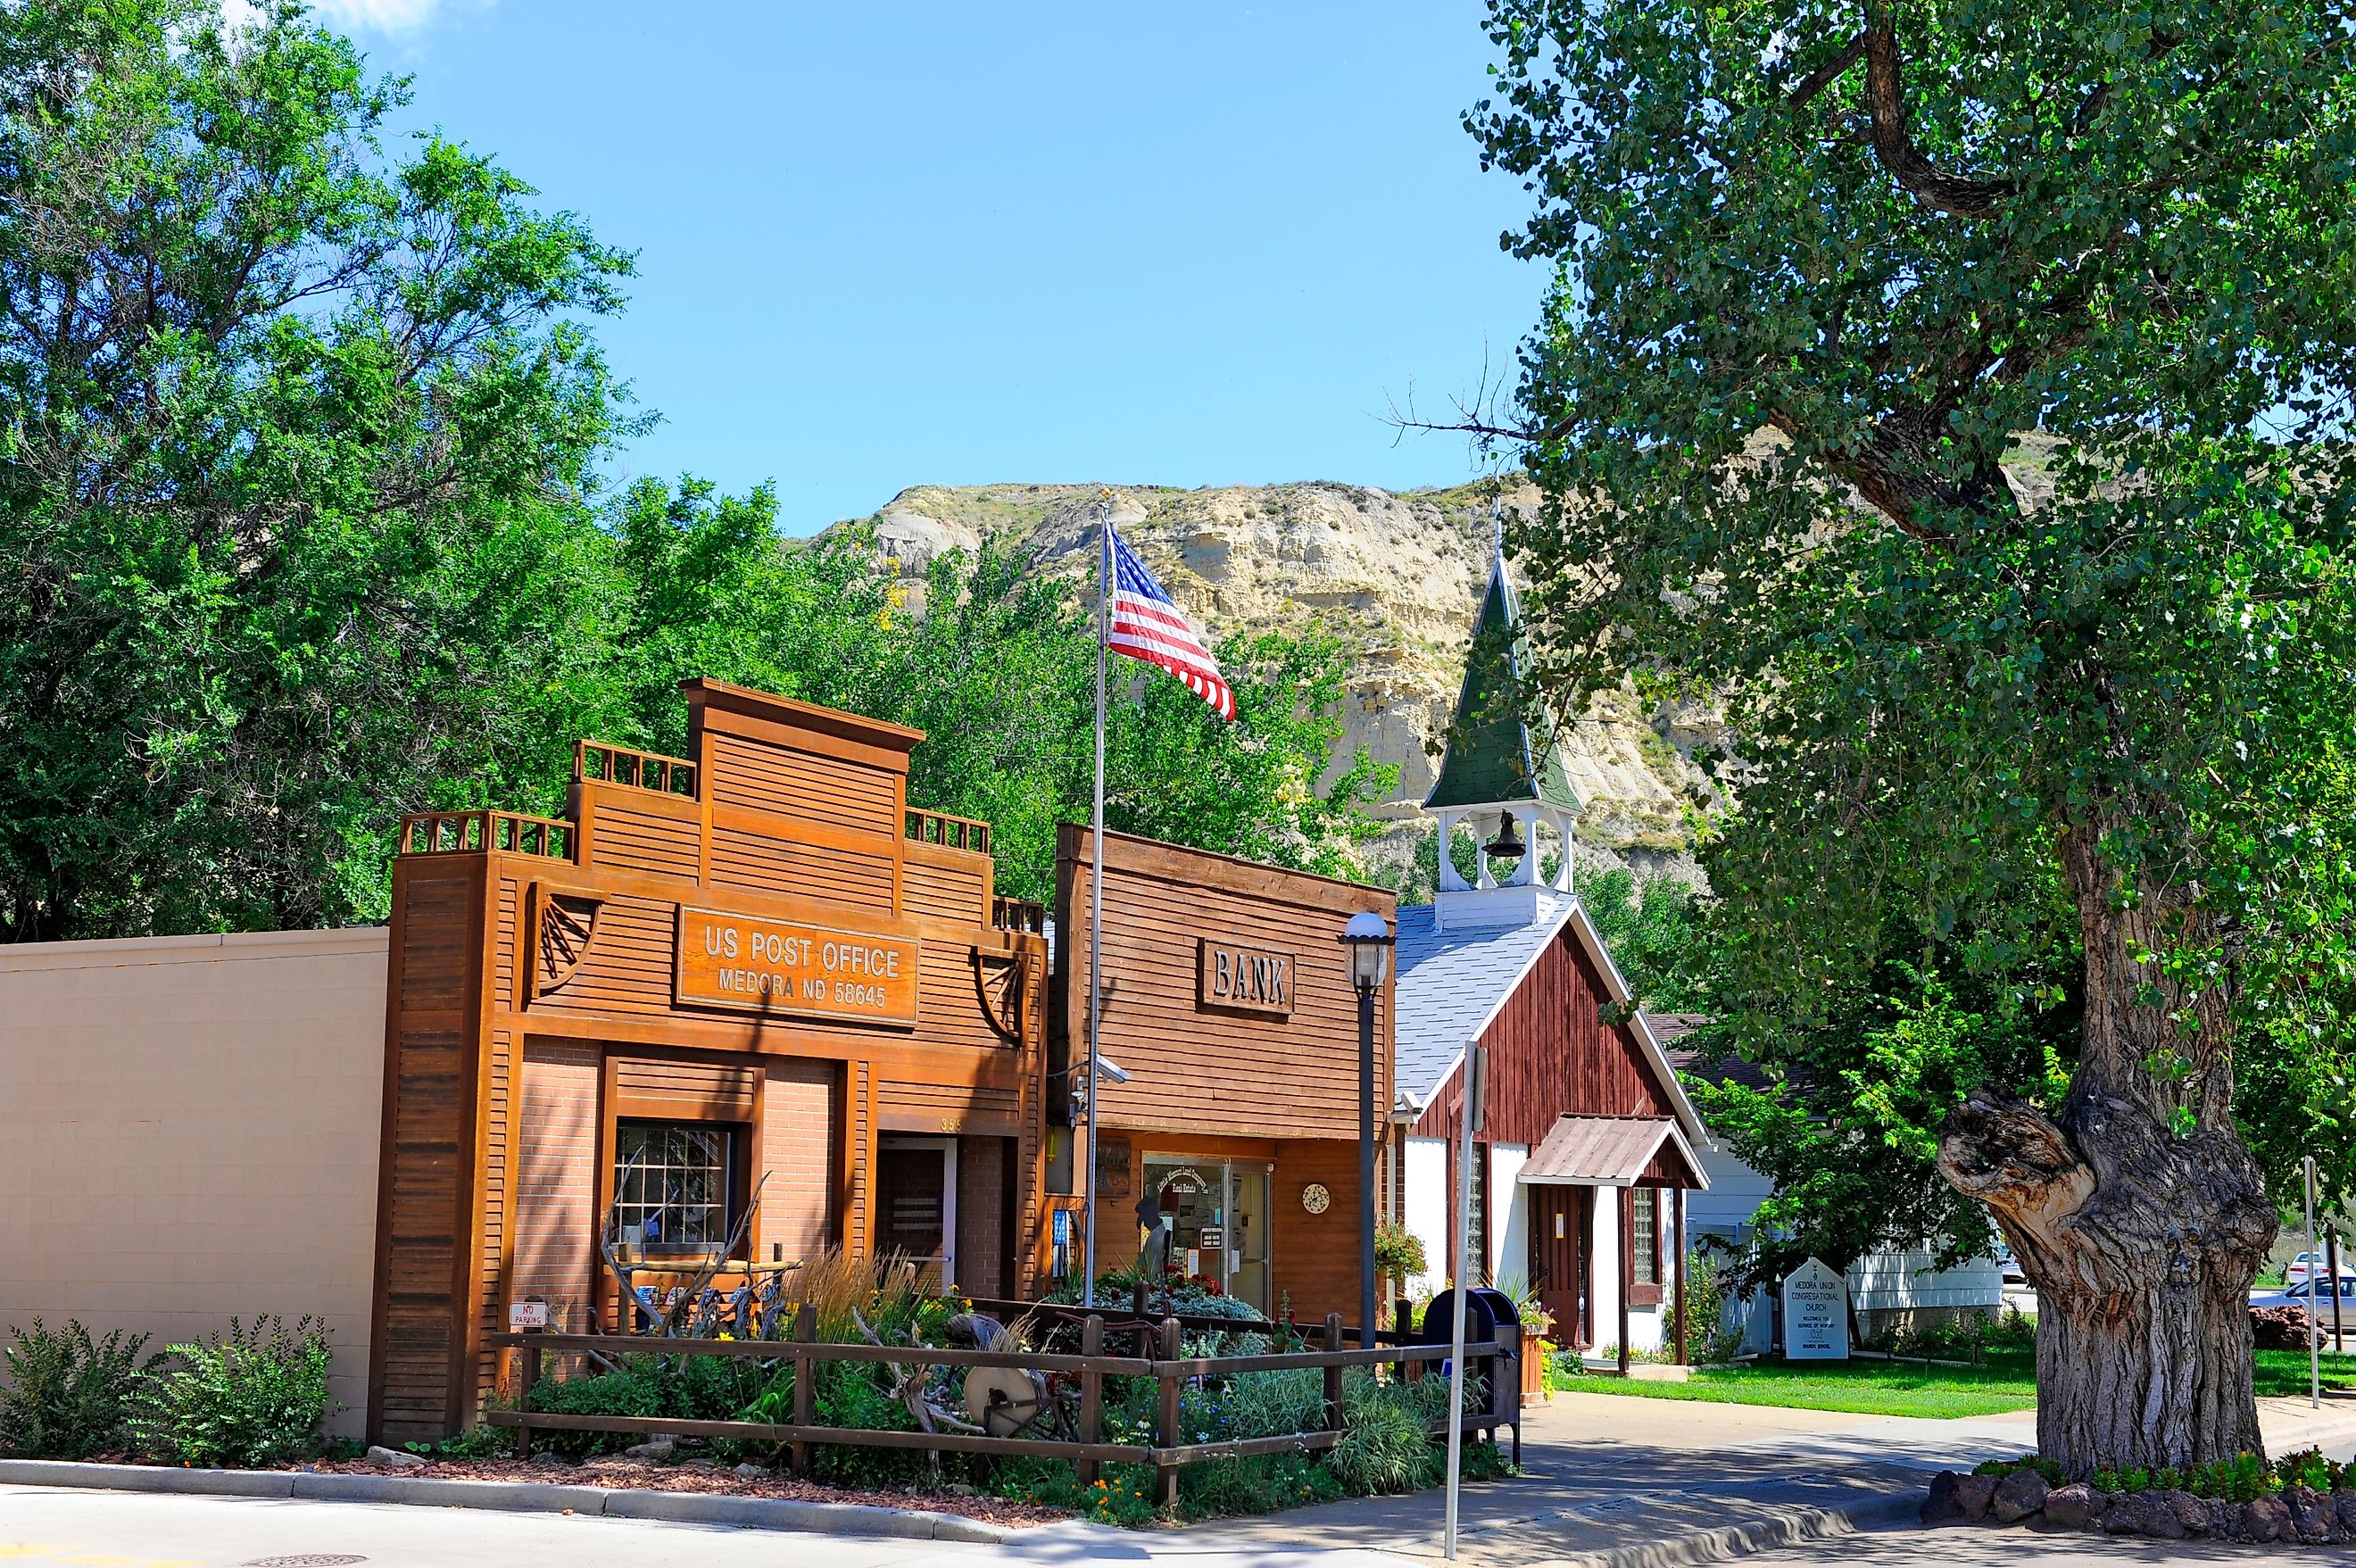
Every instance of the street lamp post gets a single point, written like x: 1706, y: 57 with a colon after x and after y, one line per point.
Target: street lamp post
x: 1369, y: 939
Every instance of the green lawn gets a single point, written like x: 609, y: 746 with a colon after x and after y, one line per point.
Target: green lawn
x: 2007, y: 1381
x: 2284, y: 1371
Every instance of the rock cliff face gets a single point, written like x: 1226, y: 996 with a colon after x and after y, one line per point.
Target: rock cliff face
x: 1397, y: 577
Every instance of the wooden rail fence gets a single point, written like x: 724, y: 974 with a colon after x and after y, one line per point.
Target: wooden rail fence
x: 1167, y: 1365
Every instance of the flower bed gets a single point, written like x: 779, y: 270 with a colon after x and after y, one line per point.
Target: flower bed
x: 2302, y: 1500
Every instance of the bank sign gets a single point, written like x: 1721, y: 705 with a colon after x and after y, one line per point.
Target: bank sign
x: 1243, y: 979
x: 758, y: 965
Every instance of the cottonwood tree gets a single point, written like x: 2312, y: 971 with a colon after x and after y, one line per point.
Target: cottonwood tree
x: 296, y: 436
x: 1959, y: 388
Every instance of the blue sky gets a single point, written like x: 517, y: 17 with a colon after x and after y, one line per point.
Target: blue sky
x: 1207, y: 243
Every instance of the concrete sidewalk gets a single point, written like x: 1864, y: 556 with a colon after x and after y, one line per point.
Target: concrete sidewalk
x: 1638, y: 1483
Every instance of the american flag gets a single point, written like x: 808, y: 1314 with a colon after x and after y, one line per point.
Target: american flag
x: 1145, y: 624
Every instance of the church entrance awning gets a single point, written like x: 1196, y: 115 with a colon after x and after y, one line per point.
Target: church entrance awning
x: 1614, y: 1151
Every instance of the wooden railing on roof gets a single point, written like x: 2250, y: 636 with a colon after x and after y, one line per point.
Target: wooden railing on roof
x: 952, y: 831
x: 457, y: 832
x: 598, y: 762
x: 1018, y: 914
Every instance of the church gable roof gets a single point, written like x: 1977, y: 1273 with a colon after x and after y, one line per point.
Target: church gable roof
x: 1452, y: 982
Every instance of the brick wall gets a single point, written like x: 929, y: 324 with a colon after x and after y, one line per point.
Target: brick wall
x: 556, y: 1181
x: 801, y: 1151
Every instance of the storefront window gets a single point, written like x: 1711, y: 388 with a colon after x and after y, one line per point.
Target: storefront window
x: 1213, y: 1223
x: 671, y: 1185
x: 1646, y: 1242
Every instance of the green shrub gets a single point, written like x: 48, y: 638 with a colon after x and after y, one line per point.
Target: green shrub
x: 1707, y: 1332
x: 2012, y: 1330
x: 2051, y: 1469
x: 2239, y: 1480
x: 250, y: 1397
x: 67, y: 1396
x: 1224, y: 1487
x: 853, y: 1394
x: 1386, y: 1443
x: 2308, y: 1468
x: 1179, y: 1295
x: 677, y: 1388
x: 474, y: 1442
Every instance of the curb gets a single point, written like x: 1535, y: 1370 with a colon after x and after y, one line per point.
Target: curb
x: 1759, y: 1535
x: 520, y: 1496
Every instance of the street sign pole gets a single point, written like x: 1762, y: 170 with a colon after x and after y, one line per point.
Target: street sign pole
x: 1476, y: 1087
x: 2314, y: 1314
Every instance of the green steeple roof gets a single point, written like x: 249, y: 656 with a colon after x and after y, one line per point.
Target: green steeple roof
x: 1490, y: 759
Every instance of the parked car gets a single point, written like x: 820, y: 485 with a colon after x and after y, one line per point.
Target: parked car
x: 2011, y: 1265
x: 2319, y: 1290
x: 2308, y: 1264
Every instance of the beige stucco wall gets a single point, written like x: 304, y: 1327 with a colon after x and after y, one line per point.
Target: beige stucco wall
x: 188, y: 1131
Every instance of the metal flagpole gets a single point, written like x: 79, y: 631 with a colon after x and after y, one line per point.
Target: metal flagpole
x: 1096, y: 899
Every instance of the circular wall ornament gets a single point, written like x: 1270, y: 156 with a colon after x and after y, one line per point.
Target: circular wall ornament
x: 1315, y: 1198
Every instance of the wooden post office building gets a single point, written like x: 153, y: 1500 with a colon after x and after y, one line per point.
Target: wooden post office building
x: 749, y: 994
x: 749, y: 976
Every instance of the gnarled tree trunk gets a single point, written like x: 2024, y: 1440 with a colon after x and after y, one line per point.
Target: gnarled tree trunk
x: 2137, y: 1211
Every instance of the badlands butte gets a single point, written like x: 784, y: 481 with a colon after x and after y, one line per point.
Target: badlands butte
x: 1398, y: 577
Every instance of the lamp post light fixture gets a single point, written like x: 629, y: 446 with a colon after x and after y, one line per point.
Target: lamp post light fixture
x: 1369, y: 937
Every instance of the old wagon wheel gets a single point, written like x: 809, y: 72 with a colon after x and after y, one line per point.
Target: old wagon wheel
x: 1005, y: 1400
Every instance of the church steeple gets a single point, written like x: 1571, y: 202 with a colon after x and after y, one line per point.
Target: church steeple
x: 1494, y: 769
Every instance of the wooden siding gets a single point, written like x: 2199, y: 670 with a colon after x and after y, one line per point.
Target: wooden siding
x: 907, y: 1107
x: 424, y: 1221
x: 861, y: 797
x: 1551, y: 1054
x: 697, y: 1089
x: 949, y: 884
x: 467, y: 1209
x: 1187, y: 1063
x: 780, y: 862
x: 629, y: 829
x: 1313, y: 1258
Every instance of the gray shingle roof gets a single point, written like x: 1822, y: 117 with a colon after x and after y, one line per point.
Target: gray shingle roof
x: 1450, y: 981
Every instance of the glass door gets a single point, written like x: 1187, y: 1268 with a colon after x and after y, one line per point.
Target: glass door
x: 1248, y: 1235
x: 1214, y: 1217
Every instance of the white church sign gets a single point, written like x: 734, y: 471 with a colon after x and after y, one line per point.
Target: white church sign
x: 1815, y: 1314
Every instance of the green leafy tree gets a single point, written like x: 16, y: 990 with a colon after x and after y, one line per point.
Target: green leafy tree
x: 1957, y: 389
x: 1653, y: 933
x: 295, y: 434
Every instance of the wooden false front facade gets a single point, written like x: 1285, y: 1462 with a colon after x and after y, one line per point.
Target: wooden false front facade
x: 755, y: 965
x: 1228, y: 1007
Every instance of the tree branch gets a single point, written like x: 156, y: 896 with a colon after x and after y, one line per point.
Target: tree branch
x: 1958, y: 196
x: 1825, y: 75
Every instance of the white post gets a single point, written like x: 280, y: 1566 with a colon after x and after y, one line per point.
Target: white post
x: 2314, y: 1312
x: 1096, y: 901
x: 1476, y: 1072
